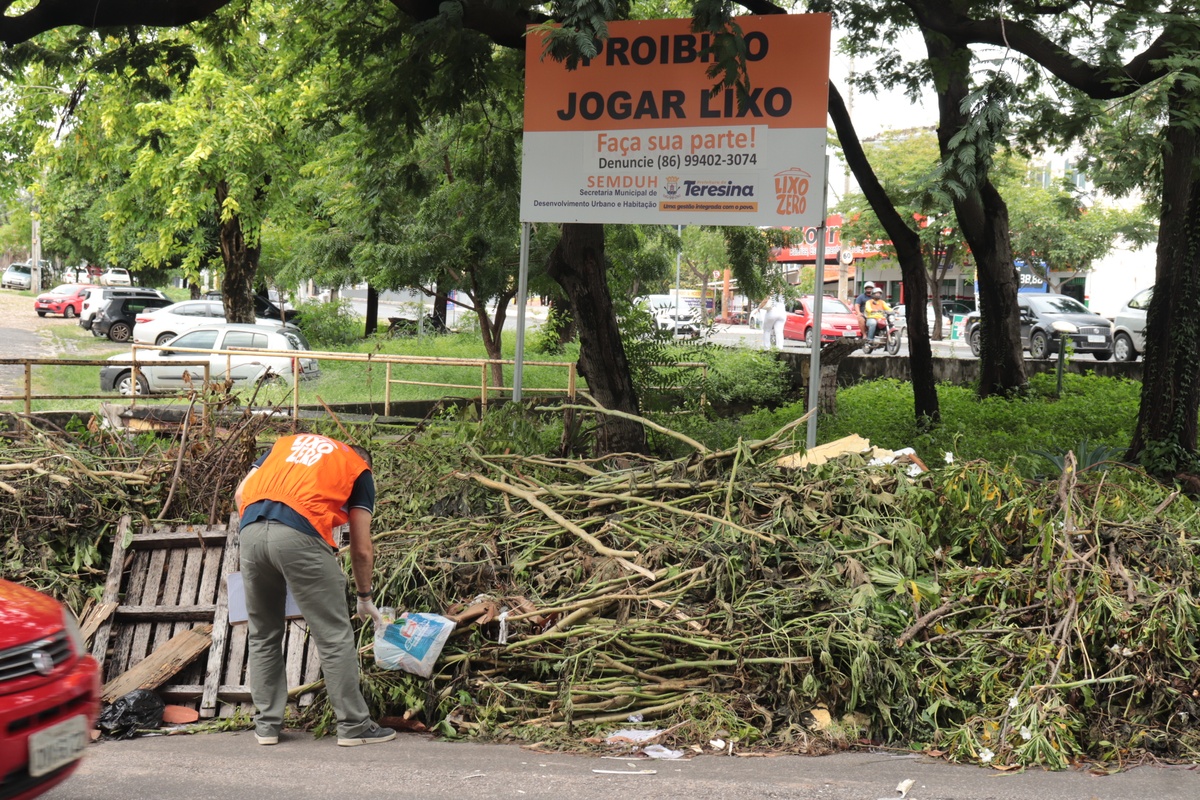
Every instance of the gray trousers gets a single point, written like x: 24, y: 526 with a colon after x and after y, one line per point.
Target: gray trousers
x: 275, y: 557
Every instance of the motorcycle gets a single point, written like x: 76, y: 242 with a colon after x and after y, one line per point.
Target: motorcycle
x: 887, y: 336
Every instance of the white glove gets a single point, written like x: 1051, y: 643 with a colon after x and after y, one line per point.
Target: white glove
x: 367, y: 610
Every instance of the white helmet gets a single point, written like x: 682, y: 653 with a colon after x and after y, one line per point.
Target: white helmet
x: 868, y: 286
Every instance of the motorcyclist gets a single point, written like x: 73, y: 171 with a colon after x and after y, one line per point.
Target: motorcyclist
x: 875, y: 310
x: 861, y: 301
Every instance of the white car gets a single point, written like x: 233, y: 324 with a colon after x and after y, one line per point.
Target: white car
x: 115, y: 276
x: 930, y: 319
x: 1129, y: 327
x: 672, y: 315
x: 242, y: 370
x: 161, y: 325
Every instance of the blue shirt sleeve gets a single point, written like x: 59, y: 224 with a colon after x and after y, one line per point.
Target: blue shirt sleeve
x: 363, y: 493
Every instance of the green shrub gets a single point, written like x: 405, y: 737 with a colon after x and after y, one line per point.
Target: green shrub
x: 547, y: 337
x: 737, y: 375
x: 330, y: 325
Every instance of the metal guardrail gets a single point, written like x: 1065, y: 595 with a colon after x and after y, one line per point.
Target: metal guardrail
x: 29, y: 363
x: 391, y: 362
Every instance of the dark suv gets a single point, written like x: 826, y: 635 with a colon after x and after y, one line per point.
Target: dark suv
x: 116, y: 318
x: 262, y: 307
x: 98, y: 296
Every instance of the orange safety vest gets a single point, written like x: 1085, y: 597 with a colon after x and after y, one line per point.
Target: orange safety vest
x: 312, y: 475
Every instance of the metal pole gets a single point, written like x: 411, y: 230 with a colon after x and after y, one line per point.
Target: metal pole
x: 522, y: 291
x: 35, y: 261
x: 678, y: 256
x: 814, y: 358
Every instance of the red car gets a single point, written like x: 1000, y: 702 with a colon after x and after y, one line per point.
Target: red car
x: 49, y: 692
x: 837, y: 321
x: 66, y: 299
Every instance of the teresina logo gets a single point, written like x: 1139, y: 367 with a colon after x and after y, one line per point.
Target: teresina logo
x: 714, y: 189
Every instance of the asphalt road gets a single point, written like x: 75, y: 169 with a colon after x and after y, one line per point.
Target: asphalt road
x: 226, y: 766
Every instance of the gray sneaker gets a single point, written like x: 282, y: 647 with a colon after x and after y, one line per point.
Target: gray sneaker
x: 372, y: 735
x: 266, y: 737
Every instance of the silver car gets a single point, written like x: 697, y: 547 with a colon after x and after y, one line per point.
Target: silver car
x: 17, y: 276
x: 240, y: 369
x: 1129, y: 327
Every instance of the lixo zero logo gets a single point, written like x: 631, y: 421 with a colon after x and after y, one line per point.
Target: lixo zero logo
x: 791, y: 191
x: 307, y: 450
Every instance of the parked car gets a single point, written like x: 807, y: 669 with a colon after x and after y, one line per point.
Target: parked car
x: 953, y: 308
x: 1129, y: 327
x: 1088, y: 331
x: 263, y: 307
x: 116, y: 318
x: 115, y: 276
x: 66, y: 299
x: 670, y: 315
x: 902, y: 318
x: 756, y: 318
x: 17, y: 276
x: 161, y: 325
x: 49, y: 692
x: 838, y: 321
x: 95, y: 298
x: 242, y: 370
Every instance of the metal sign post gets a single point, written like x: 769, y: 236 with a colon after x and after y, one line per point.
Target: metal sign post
x: 814, y: 358
x: 522, y: 298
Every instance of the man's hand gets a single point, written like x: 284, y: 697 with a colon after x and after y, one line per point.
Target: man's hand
x: 367, y: 610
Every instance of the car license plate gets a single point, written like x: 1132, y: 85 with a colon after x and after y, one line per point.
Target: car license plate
x: 849, y: 334
x: 1096, y: 338
x: 57, y: 745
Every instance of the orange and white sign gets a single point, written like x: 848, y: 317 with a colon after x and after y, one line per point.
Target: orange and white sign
x: 638, y: 135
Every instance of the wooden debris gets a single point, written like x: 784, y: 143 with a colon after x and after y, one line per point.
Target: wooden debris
x: 161, y: 665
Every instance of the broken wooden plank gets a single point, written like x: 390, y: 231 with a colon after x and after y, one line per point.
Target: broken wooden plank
x: 112, y: 591
x: 176, y: 564
x: 96, y: 616
x: 183, y: 692
x: 312, y: 671
x: 161, y: 665
x: 220, y: 637
x: 159, y: 613
x: 202, y: 537
x: 151, y: 583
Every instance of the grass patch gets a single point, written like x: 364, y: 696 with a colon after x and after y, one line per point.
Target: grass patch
x: 1100, y: 411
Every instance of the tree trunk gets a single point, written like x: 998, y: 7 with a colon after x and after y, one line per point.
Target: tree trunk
x: 372, y: 322
x: 983, y: 218
x: 564, y: 319
x: 241, y: 264
x: 912, y: 264
x: 1164, y: 439
x: 441, y: 303
x: 577, y: 265
x: 492, y: 331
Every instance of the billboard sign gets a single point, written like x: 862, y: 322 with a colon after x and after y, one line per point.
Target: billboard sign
x: 637, y: 135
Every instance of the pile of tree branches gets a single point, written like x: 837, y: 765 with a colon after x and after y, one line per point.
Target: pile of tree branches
x: 965, y: 610
x: 63, y: 491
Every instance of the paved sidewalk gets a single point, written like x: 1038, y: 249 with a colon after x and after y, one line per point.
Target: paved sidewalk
x: 230, y: 766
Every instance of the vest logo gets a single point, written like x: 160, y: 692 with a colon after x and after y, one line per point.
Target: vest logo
x: 307, y: 450
x: 791, y: 191
x: 672, y: 189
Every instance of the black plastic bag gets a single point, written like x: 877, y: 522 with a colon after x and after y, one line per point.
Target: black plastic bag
x: 139, y: 710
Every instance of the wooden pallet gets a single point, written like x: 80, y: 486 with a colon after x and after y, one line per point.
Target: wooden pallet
x: 165, y: 581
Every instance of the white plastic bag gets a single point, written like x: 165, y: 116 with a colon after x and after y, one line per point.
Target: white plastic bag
x: 412, y: 643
